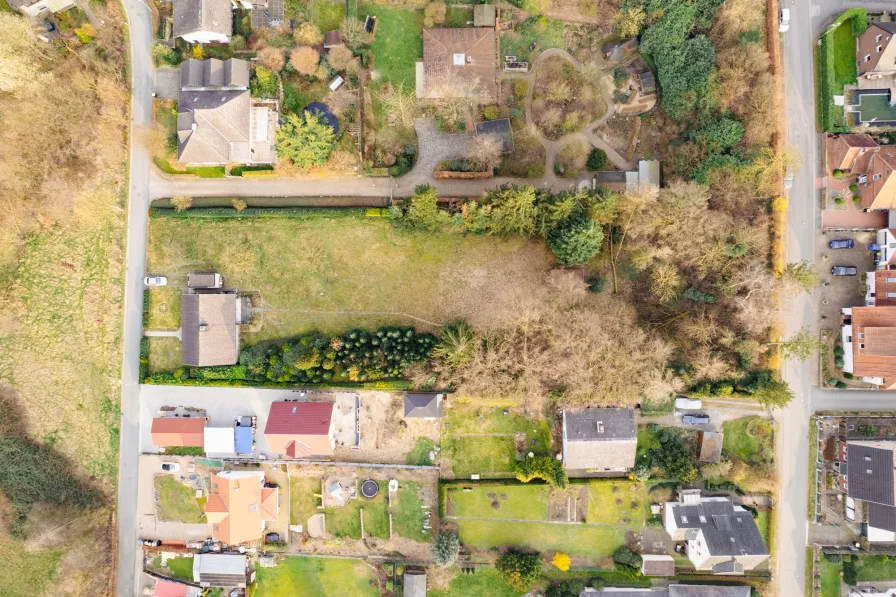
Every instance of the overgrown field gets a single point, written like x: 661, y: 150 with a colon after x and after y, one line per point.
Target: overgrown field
x: 336, y: 274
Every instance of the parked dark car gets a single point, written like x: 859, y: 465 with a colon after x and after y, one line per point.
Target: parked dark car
x: 844, y: 270
x: 695, y: 419
x: 846, y: 243
x: 272, y: 538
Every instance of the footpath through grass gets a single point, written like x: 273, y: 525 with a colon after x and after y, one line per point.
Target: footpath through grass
x: 316, y: 577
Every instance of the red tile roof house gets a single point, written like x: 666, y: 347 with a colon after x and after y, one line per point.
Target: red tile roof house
x: 866, y: 164
x: 178, y: 431
x: 301, y: 429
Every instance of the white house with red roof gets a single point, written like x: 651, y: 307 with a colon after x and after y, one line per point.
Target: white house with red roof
x: 301, y: 429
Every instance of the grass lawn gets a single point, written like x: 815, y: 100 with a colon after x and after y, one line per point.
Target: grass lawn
x: 181, y: 568
x: 540, y: 32
x: 524, y: 502
x: 875, y: 568
x: 27, y: 572
x: 346, y: 521
x: 419, y: 456
x: 164, y: 354
x: 177, y: 501
x: 743, y: 444
x: 302, y: 503
x: 164, y: 308
x: 845, y: 70
x: 326, y: 15
x: 602, y: 506
x: 647, y: 440
x: 475, y: 455
x: 830, y: 578
x: 398, y: 43
x: 573, y: 539
x: 486, y: 582
x: 407, y: 513
x: 333, y: 265
x: 762, y: 523
x: 457, y: 16
x: 316, y: 577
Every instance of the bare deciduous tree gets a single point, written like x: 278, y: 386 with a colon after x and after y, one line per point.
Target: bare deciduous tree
x: 272, y: 58
x: 181, y: 202
x: 485, y: 151
x: 353, y: 34
x: 403, y: 107
x: 304, y: 60
x: 339, y: 57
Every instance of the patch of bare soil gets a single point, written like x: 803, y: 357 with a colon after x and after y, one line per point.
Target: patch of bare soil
x: 386, y: 436
x: 616, y: 132
x: 568, y: 505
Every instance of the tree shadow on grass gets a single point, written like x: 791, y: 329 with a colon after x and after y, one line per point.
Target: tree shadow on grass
x: 32, y: 472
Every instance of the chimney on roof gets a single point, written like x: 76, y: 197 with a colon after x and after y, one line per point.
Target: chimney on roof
x: 600, y: 426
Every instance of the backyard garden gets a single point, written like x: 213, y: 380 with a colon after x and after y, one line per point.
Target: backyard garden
x: 835, y: 63
x: 317, y: 577
x: 565, y: 100
x: 177, y: 501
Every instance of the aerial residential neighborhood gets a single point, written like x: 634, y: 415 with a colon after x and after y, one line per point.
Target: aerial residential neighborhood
x: 486, y: 298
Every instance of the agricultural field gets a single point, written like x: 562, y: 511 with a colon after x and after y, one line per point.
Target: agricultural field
x: 350, y: 271
x: 317, y: 577
x: 487, y: 441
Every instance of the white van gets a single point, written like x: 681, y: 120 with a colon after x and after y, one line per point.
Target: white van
x: 688, y: 404
x: 784, y: 20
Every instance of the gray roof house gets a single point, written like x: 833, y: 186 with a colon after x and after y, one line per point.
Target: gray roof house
x: 217, y: 120
x: 203, y: 21
x: 614, y: 51
x: 599, y: 440
x: 721, y: 537
x: 867, y: 471
x: 221, y: 570
x: 423, y: 406
x: 209, y: 330
x: 414, y: 583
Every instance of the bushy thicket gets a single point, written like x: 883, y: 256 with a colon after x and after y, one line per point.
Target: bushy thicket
x: 548, y: 469
x: 519, y: 569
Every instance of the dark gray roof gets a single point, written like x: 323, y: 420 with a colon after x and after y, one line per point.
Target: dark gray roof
x: 600, y: 424
x: 607, y: 176
x: 648, y: 85
x: 882, y: 517
x: 615, y: 592
x: 214, y: 73
x: 221, y: 570
x: 499, y: 127
x: 869, y: 473
x: 209, y: 332
x: 414, y: 584
x: 732, y: 566
x: 727, y: 532
x: 658, y: 566
x: 888, y: 26
x: 423, y: 405
x: 191, y: 16
x: 707, y: 591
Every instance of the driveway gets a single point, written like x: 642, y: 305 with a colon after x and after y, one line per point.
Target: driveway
x: 167, y: 83
x: 148, y: 526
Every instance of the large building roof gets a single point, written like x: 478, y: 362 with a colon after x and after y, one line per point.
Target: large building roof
x: 178, y: 431
x: 220, y: 570
x: 455, y: 58
x: 869, y: 471
x: 726, y: 531
x: 599, y: 439
x: 875, y: 49
x: 707, y: 591
x: 300, y: 429
x: 206, y: 16
x: 210, y: 335
x: 874, y: 343
x: 239, y: 504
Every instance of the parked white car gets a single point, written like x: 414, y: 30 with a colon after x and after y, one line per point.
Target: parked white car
x: 784, y: 20
x: 688, y: 404
x: 155, y: 281
x: 170, y: 467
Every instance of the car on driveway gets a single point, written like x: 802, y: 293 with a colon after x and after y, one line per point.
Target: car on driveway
x: 695, y: 419
x: 688, y: 404
x: 844, y: 270
x: 155, y: 281
x: 846, y: 243
x: 170, y: 467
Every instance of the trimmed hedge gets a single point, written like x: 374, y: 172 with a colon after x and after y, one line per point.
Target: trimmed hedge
x: 244, y: 170
x: 144, y: 356
x: 168, y: 379
x: 228, y: 213
x: 859, y: 18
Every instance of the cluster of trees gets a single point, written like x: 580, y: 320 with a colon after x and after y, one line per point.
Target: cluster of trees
x: 671, y: 460
x: 305, y: 139
x: 571, y: 221
x: 355, y: 356
x: 519, y: 569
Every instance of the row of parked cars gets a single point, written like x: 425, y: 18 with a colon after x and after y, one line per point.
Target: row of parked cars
x: 843, y: 270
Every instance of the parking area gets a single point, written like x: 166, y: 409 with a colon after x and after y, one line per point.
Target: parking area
x: 837, y: 292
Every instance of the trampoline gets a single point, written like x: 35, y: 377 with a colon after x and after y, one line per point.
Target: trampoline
x: 323, y: 111
x: 369, y: 488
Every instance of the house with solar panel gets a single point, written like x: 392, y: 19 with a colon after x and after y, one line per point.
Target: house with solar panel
x: 719, y: 536
x: 866, y: 473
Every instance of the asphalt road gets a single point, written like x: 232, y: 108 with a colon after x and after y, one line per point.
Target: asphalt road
x: 808, y: 19
x: 139, y: 24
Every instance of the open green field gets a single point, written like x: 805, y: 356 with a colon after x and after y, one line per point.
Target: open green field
x: 875, y: 568
x: 398, y: 43
x: 483, y: 441
x: 573, y: 539
x: 830, y: 578
x: 524, y: 502
x: 177, y: 501
x: 746, y: 437
x: 835, y: 67
x: 485, y: 582
x: 647, y: 440
x: 346, y: 521
x: 316, y: 577
x: 164, y: 354
x: 25, y: 572
x: 164, y: 308
x: 335, y: 273
x: 302, y: 503
x: 845, y: 70
x: 612, y: 502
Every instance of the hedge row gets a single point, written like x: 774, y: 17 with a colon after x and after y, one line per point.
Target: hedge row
x: 859, y: 18
x: 825, y: 66
x: 168, y: 379
x: 227, y: 213
x: 144, y: 356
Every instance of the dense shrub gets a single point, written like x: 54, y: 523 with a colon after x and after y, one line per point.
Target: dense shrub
x: 672, y: 457
x: 597, y: 159
x: 833, y: 558
x: 626, y: 557
x: 698, y: 297
x: 576, y: 241
x: 546, y: 468
x: 446, y: 548
x: 519, y: 569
